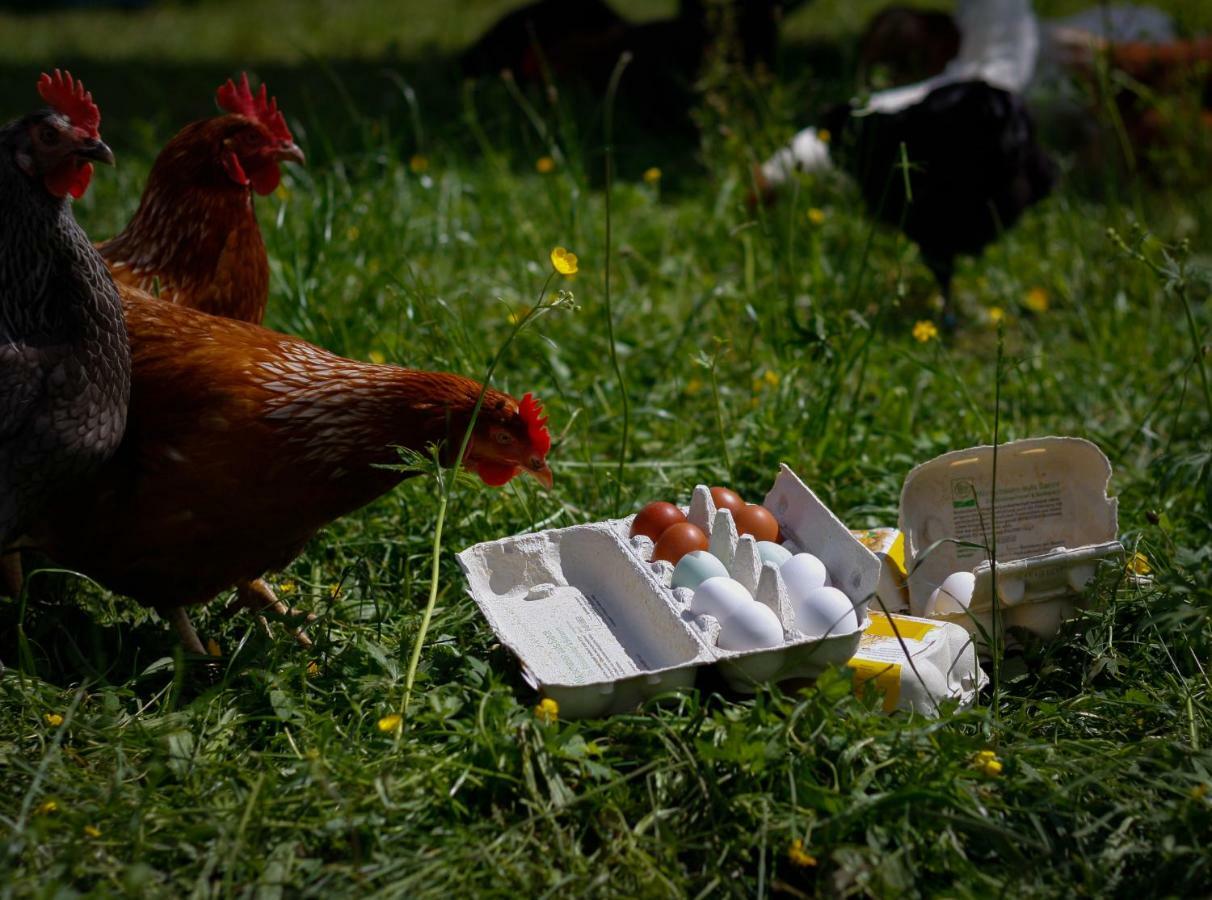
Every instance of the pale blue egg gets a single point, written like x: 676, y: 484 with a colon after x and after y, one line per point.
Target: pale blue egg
x: 696, y: 567
x: 771, y: 552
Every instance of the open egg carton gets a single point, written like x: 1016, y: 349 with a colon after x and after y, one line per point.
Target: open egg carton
x: 1055, y: 525
x: 598, y: 627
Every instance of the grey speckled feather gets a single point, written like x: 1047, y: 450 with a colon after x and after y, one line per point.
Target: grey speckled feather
x: 64, y: 356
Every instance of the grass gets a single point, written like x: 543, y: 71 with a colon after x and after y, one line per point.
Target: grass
x: 749, y: 339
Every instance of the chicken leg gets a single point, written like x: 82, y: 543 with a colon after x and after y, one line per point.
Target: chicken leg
x: 179, y: 619
x: 257, y: 596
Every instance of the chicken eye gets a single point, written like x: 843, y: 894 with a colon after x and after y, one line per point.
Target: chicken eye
x: 48, y: 136
x: 503, y: 438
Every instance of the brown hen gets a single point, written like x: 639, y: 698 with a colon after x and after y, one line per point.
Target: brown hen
x: 242, y: 443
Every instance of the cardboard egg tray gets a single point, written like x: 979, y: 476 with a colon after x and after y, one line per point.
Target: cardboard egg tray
x: 1055, y: 523
x: 598, y: 629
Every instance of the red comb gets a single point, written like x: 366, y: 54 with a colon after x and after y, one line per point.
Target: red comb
x: 536, y: 424
x: 70, y: 99
x: 239, y: 99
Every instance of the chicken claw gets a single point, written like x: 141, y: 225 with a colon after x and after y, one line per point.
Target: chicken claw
x: 257, y: 596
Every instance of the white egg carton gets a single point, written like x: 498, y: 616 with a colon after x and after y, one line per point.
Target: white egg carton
x: 598, y: 628
x: 1055, y: 524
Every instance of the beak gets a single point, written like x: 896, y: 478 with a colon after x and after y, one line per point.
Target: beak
x: 290, y: 152
x: 542, y: 475
x: 96, y: 150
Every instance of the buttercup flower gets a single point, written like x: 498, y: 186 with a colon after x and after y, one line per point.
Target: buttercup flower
x: 313, y: 668
x: 418, y: 163
x: 824, y: 134
x: 45, y: 809
x: 544, y: 165
x: 564, y: 261
x: 799, y: 856
x: 987, y: 762
x: 996, y: 315
x: 816, y: 216
x: 92, y: 831
x: 1139, y: 564
x: 391, y: 723
x: 54, y: 720
x: 652, y: 175
x: 1036, y: 300
x: 547, y: 711
x: 924, y: 331
x: 212, y: 647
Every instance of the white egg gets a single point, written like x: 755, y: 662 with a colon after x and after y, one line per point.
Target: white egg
x: 719, y: 596
x: 824, y: 611
x: 952, y: 596
x: 770, y: 552
x: 750, y: 627
x: 803, y: 573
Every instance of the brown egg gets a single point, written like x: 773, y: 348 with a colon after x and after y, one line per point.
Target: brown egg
x: 678, y: 540
x: 653, y: 519
x: 726, y: 499
x: 757, y: 521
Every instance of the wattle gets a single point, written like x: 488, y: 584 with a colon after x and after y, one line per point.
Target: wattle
x: 265, y: 179
x: 495, y: 474
x: 69, y: 179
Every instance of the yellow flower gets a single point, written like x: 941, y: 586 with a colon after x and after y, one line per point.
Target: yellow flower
x: 824, y: 135
x: 418, y: 163
x: 1036, y: 300
x: 652, y: 175
x: 799, y: 856
x: 289, y: 587
x: 1139, y: 564
x: 282, y: 193
x: 547, y: 711
x: 391, y: 723
x: 312, y: 668
x: 771, y: 377
x: 564, y: 261
x: 1199, y: 791
x: 212, y: 647
x: 693, y: 386
x: 92, y: 831
x: 377, y: 357
x: 54, y: 720
x: 996, y: 315
x: 924, y: 331
x: 816, y: 216
x: 45, y: 809
x: 544, y: 165
x: 352, y: 232
x: 987, y: 762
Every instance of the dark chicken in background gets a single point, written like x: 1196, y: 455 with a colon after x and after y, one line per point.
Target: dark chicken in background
x: 243, y: 443
x: 974, y: 167
x: 64, y: 360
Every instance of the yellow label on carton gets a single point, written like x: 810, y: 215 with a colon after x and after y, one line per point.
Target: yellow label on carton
x: 894, y: 626
x: 887, y: 677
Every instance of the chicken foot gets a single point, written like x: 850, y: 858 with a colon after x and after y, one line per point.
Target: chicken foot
x: 179, y: 619
x: 257, y: 596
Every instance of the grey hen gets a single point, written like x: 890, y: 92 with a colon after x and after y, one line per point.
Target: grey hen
x: 64, y: 356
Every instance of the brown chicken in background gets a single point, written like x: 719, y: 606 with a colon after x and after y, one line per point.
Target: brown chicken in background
x: 194, y: 239
x: 242, y: 443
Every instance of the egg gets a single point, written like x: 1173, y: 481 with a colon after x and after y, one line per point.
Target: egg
x: 803, y: 573
x: 752, y: 627
x: 824, y: 611
x: 757, y: 521
x: 770, y: 552
x: 696, y: 567
x: 723, y: 498
x: 653, y: 519
x: 677, y: 540
x: 719, y: 596
x: 745, y: 624
x: 952, y: 596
